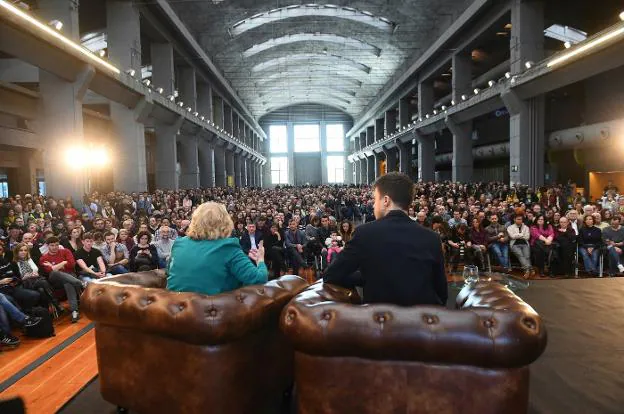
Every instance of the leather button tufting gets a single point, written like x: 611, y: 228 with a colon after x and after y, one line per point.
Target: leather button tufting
x: 529, y: 323
x: 326, y: 316
x: 488, y: 323
x: 182, y: 306
x: 99, y: 292
x: 430, y: 319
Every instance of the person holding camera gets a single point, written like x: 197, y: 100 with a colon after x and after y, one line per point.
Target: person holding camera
x: 143, y: 255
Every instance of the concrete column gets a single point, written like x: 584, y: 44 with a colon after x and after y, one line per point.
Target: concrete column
x: 188, y: 87
x: 163, y: 72
x: 219, y: 163
x: 238, y: 169
x: 124, y: 51
x: 379, y: 129
x: 527, y: 33
x: 189, y: 162
x: 206, y: 164
x: 405, y: 157
x: 204, y: 100
x: 392, y: 159
x: 370, y: 135
x: 462, y: 150
x: 462, y: 75
x: 526, y: 121
x: 227, y: 118
x: 390, y: 119
x: 425, y: 98
x: 363, y: 171
x: 261, y: 176
x: 362, y: 140
x: 356, y: 172
x: 349, y: 172
x: 426, y: 158
x: 291, y: 154
x: 248, y: 168
x: 229, y: 164
x: 166, y: 154
x: 404, y: 111
x: 323, y: 133
x: 244, y: 182
x: 217, y: 108
x: 378, y: 158
x: 370, y: 169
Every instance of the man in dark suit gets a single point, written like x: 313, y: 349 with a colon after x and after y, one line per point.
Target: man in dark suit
x: 399, y: 261
x: 251, y: 238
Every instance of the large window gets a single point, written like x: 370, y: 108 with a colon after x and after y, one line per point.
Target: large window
x: 279, y: 170
x: 335, y: 138
x: 278, y: 136
x: 335, y: 169
x: 307, y: 138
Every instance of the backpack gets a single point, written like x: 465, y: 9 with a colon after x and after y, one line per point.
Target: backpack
x: 42, y: 329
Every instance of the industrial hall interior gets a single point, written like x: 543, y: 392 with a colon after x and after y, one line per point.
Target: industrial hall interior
x: 188, y: 189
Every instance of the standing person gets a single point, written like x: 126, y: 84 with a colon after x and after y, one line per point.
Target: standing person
x: 614, y: 240
x: 60, y: 265
x: 398, y: 260
x: 519, y: 236
x: 89, y: 261
x: 498, y: 241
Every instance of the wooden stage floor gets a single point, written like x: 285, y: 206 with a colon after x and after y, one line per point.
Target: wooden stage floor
x: 47, y: 373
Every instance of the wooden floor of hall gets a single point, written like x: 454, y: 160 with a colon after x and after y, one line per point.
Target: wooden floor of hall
x: 47, y: 373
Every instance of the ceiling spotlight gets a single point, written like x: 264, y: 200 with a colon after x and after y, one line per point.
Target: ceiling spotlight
x: 427, y: 116
x: 622, y: 16
x: 567, y: 45
x: 203, y: 118
x: 160, y: 90
x: 180, y: 104
x: 508, y: 75
x: 513, y: 80
x: 170, y: 97
x: 195, y: 113
x: 175, y: 93
x: 464, y: 97
x: 491, y: 83
x: 147, y: 82
x: 528, y: 64
x: 57, y: 24
x: 444, y: 107
x: 452, y: 103
x: 476, y: 91
x: 188, y: 109
x: 419, y: 119
x: 131, y: 72
x: 102, y: 53
x: 435, y: 111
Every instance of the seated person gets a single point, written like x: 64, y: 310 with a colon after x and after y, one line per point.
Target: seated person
x: 460, y: 246
x: 90, y: 263
x: 542, y: 236
x: 399, y: 261
x: 115, y: 255
x: 295, y: 239
x: 8, y: 311
x: 590, y: 242
x: 334, y: 246
x: 613, y: 237
x: 10, y: 284
x: 60, y: 265
x: 564, y: 248
x: 274, y: 248
x: 163, y: 246
x: 143, y: 255
x: 497, y: 239
x: 250, y: 239
x: 519, y: 236
x: 208, y: 261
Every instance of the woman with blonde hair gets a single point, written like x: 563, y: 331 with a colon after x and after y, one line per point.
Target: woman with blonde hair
x: 208, y: 260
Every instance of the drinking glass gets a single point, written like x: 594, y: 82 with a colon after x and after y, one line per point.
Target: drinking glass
x: 471, y: 274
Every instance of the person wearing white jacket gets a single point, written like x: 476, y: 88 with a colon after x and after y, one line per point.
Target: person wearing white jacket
x: 519, y: 236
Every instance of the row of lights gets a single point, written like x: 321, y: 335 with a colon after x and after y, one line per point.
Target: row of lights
x: 55, y: 26
x: 512, y: 79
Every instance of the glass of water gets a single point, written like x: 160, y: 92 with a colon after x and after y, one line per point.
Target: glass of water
x: 471, y: 274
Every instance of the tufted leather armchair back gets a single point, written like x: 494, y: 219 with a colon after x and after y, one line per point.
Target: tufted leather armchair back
x: 162, y: 351
x: 423, y: 359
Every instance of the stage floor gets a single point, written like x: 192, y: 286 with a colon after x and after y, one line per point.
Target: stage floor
x: 582, y: 369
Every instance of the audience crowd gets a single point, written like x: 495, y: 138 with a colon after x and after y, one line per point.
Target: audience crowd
x: 50, y: 246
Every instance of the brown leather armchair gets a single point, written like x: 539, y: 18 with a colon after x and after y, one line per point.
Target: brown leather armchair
x: 168, y: 352
x: 388, y: 359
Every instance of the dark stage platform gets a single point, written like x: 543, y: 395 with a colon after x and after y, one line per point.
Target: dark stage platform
x: 582, y: 370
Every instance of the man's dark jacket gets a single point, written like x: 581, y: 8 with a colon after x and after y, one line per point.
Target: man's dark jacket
x: 400, y: 262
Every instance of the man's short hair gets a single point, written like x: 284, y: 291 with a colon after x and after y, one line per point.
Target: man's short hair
x: 616, y: 217
x: 398, y: 186
x: 108, y: 233
x: 52, y: 239
x: 88, y: 236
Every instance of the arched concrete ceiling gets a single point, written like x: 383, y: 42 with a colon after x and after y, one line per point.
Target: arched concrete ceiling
x: 278, y: 53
